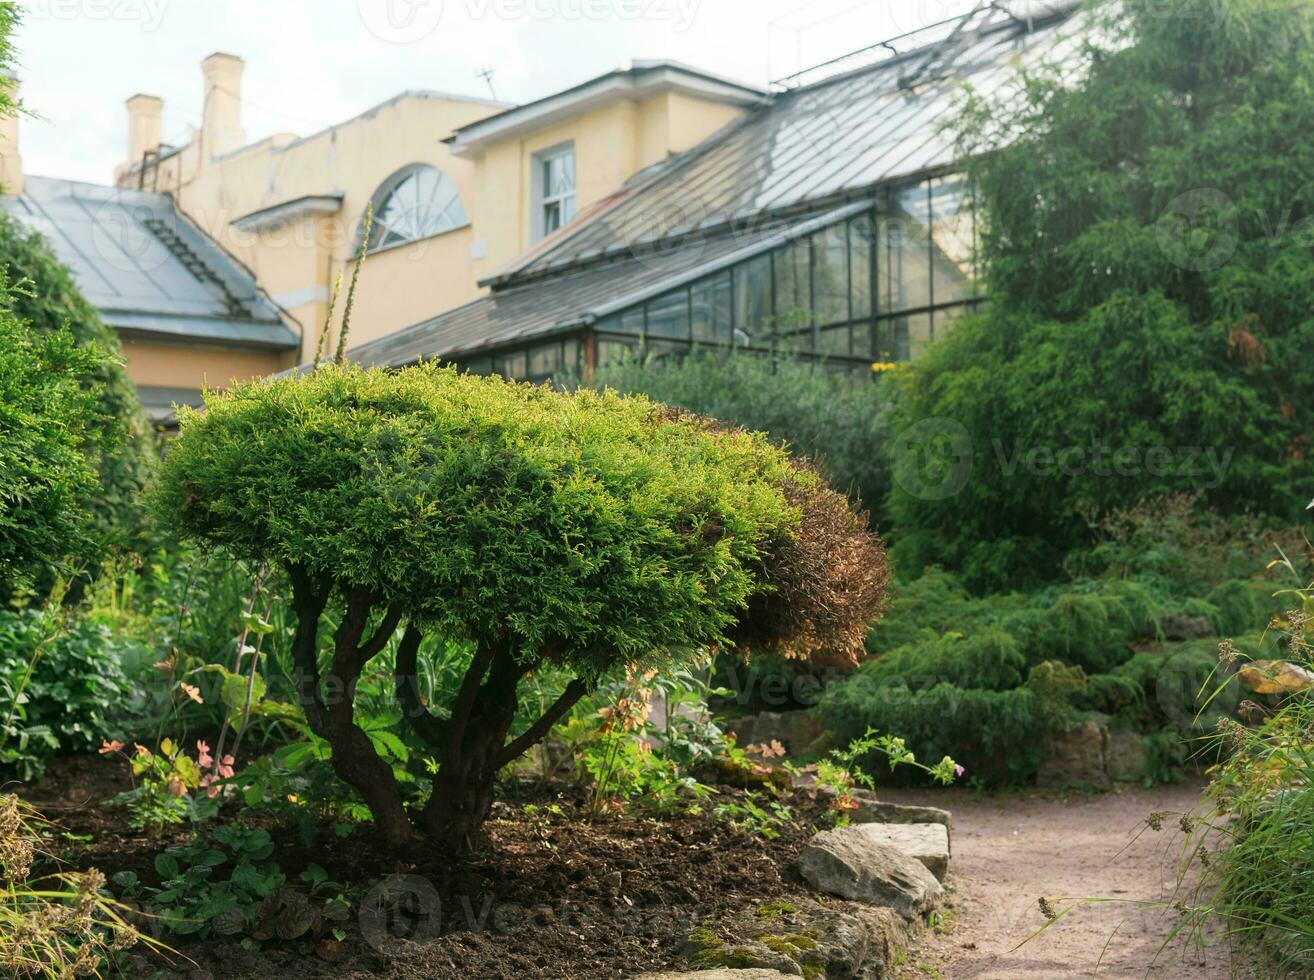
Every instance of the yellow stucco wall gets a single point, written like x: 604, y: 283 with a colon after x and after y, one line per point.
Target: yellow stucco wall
x: 611, y: 143
x: 192, y: 366
x: 296, y: 262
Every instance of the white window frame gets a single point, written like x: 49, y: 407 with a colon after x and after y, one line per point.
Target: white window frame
x: 542, y: 199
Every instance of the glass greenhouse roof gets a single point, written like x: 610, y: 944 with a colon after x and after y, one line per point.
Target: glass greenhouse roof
x: 824, y: 141
x: 815, y: 156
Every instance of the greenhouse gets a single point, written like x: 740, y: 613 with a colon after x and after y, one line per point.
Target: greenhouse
x: 832, y: 222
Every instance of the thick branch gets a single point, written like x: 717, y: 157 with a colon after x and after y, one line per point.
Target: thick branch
x: 465, y: 698
x: 575, y: 690
x: 308, y: 602
x: 432, y: 730
x: 381, y: 635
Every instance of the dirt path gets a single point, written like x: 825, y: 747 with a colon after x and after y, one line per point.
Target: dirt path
x: 1009, y: 851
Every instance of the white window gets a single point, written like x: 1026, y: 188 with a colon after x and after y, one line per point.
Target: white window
x: 415, y: 203
x: 554, y: 189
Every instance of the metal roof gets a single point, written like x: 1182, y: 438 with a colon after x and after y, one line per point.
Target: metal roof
x: 540, y: 309
x: 149, y: 271
x: 839, y: 136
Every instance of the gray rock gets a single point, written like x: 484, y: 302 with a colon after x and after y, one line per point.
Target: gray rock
x: 927, y: 842
x: 872, y: 810
x: 1124, y: 758
x: 1075, y: 758
x: 802, y: 937
x: 1179, y: 626
x: 848, y: 863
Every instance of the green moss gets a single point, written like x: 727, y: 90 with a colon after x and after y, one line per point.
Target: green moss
x: 774, y: 910
x: 812, y: 970
x: 789, y: 945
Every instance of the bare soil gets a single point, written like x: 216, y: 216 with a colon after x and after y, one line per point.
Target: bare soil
x: 1008, y: 851
x: 555, y: 896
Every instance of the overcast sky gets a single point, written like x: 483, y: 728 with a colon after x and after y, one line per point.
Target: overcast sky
x: 312, y: 63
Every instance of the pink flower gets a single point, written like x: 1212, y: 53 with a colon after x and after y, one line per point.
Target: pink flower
x: 176, y: 787
x: 107, y: 747
x: 959, y: 770
x: 210, y: 785
x: 226, y: 767
x: 203, y: 758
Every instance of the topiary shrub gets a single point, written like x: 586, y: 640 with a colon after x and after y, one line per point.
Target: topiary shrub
x: 587, y: 531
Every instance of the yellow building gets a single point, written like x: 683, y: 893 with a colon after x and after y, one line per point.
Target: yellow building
x: 460, y: 186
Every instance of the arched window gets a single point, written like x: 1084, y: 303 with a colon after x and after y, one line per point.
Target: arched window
x: 413, y: 203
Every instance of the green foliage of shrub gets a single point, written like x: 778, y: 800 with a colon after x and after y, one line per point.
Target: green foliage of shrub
x: 120, y: 443
x: 991, y: 660
x: 837, y: 420
x: 995, y: 735
x: 62, y: 686
x: 49, y: 416
x: 1130, y: 310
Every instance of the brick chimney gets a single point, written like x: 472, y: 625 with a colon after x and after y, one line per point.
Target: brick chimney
x: 144, y: 113
x: 221, y: 123
x: 11, y: 161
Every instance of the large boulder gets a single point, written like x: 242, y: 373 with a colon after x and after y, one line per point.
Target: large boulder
x: 801, y: 937
x: 927, y: 842
x: 847, y: 862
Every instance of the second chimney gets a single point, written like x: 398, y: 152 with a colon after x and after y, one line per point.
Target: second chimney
x: 144, y: 113
x: 221, y: 123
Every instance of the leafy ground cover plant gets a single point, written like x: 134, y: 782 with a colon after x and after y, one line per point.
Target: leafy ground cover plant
x: 588, y: 531
x: 1249, y: 864
x: 62, y: 687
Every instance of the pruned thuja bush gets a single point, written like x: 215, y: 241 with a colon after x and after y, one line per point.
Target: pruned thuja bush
x: 588, y: 532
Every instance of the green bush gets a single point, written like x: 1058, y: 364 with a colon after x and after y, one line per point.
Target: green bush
x: 585, y: 532
x: 120, y: 444
x: 1131, y: 312
x: 835, y: 419
x: 62, y: 689
x: 995, y: 735
x: 49, y: 418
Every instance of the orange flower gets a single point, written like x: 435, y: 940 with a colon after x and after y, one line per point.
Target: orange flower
x: 107, y: 747
x: 192, y: 692
x: 164, y: 666
x: 176, y: 787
